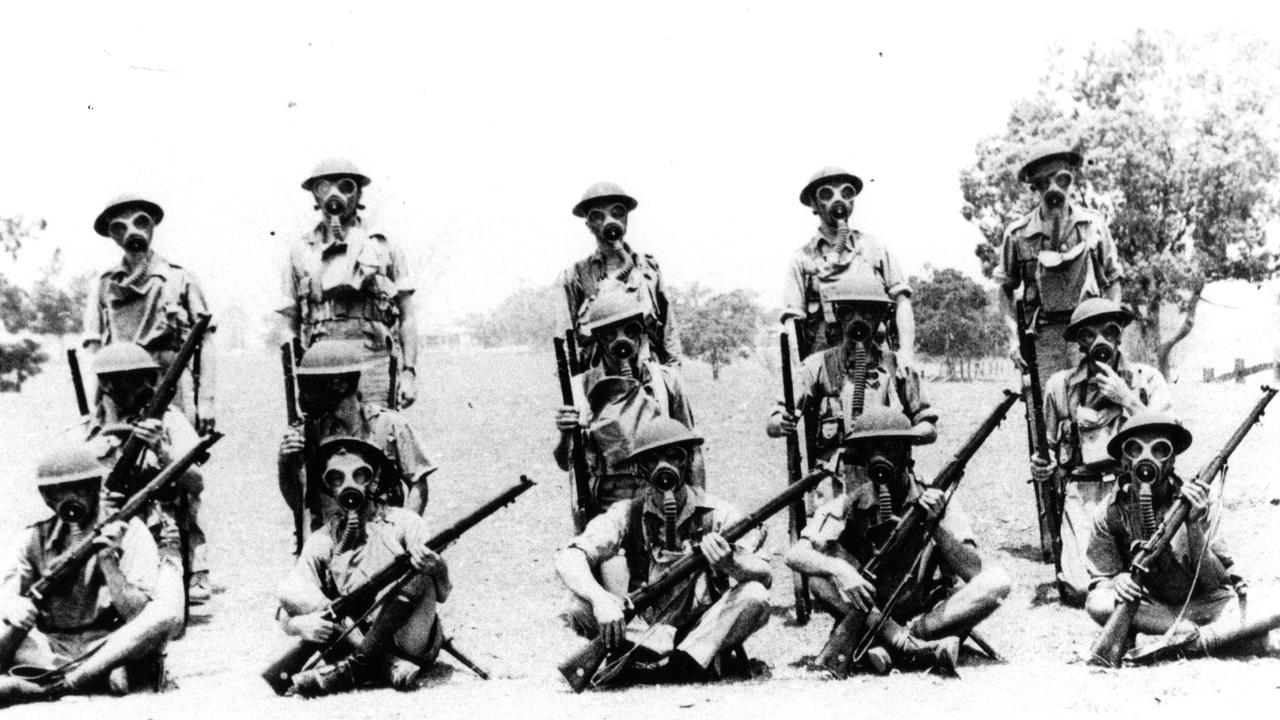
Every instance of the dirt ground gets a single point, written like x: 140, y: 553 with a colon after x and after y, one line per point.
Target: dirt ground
x: 486, y: 418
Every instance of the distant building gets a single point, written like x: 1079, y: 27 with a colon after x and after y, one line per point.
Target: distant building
x: 448, y: 337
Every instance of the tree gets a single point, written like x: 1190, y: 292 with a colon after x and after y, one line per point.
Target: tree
x: 956, y: 318
x: 716, y: 328
x: 526, y: 317
x: 21, y: 356
x: 59, y: 310
x: 1181, y: 142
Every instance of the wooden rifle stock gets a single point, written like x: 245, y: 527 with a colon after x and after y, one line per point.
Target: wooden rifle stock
x: 580, y: 669
x: 121, y: 477
x: 584, y: 503
x: 1116, y: 637
x: 850, y: 637
x: 795, y: 471
x: 280, y: 674
x: 292, y: 468
x: 1048, y: 498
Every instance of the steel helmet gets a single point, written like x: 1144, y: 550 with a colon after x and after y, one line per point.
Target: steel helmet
x: 335, y: 167
x: 1151, y: 421
x: 879, y: 423
x: 1047, y: 152
x: 121, y: 357
x: 603, y: 191
x: 122, y: 202
x: 610, y: 306
x: 70, y: 463
x: 331, y: 357
x: 856, y: 288
x: 1093, y: 309
x: 828, y: 173
x: 662, y: 432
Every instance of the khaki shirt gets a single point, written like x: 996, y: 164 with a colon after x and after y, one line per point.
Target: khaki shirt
x: 348, y: 290
x: 390, y: 432
x: 817, y: 265
x: 389, y: 532
x: 153, y: 307
x: 1086, y: 275
x: 84, y: 603
x: 582, y: 280
x: 1078, y: 417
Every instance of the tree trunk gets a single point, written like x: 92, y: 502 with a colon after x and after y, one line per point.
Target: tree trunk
x: 1165, y: 348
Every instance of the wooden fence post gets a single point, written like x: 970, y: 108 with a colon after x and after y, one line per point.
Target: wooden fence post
x: 1239, y: 370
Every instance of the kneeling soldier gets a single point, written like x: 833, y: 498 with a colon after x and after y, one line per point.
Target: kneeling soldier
x: 362, y: 537
x: 932, y: 617
x: 714, y: 613
x: 107, y: 629
x: 1190, y: 593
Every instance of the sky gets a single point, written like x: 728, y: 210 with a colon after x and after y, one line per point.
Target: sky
x: 482, y: 123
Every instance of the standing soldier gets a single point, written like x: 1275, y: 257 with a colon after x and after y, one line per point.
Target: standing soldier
x: 1084, y: 407
x: 1059, y: 253
x: 838, y: 251
x: 149, y: 301
x: 345, y: 282
x: 606, y: 208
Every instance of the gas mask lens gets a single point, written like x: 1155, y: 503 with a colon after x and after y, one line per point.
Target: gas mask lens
x: 140, y: 221
x: 1147, y: 458
x: 622, y: 340
x: 664, y: 467
x: 837, y: 198
x: 129, y: 390
x: 345, y: 186
x: 857, y: 326
x: 1061, y: 180
x: 349, y: 490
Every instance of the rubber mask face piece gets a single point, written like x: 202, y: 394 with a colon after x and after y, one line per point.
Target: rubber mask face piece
x: 1100, y: 342
x: 336, y: 197
x: 349, y: 479
x: 608, y: 222
x: 322, y: 394
x: 1052, y: 186
x: 132, y: 230
x: 858, y: 323
x: 621, y: 342
x: 75, y: 503
x: 130, y: 390
x: 834, y: 201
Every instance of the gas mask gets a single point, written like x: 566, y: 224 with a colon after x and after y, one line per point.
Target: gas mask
x: 1100, y: 343
x: 1148, y: 461
x: 833, y: 203
x: 1052, y: 186
x: 75, y: 503
x: 620, y: 344
x: 132, y: 230
x: 608, y: 222
x: 858, y: 326
x: 885, y: 464
x: 322, y: 394
x: 130, y: 391
x: 351, y: 481
x: 338, y: 198
x: 665, y: 470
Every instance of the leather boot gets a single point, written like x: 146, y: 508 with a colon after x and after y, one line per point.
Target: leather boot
x: 913, y: 653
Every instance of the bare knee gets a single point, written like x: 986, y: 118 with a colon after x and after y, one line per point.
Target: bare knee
x: 754, y: 594
x: 1100, y: 603
x: 996, y: 583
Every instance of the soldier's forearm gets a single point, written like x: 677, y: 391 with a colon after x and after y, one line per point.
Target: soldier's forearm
x: 906, y: 319
x: 804, y: 557
x: 128, y: 599
x: 575, y: 572
x: 409, y: 332
x: 208, y: 371
x: 749, y: 566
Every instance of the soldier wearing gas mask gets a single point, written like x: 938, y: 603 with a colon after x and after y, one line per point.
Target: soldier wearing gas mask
x: 328, y: 378
x: 345, y: 282
x: 1084, y: 407
x: 1060, y: 254
x: 127, y: 377
x: 927, y: 625
x: 128, y: 597
x: 836, y: 252
x: 361, y: 536
x: 606, y: 209
x: 625, y: 389
x: 688, y: 635
x: 1191, y: 594
x: 860, y: 373
x: 149, y: 301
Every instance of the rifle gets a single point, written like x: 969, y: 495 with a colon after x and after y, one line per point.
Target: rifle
x: 1117, y: 635
x: 77, y: 382
x: 293, y: 470
x: 279, y: 675
x: 583, y: 499
x: 121, y: 475
x: 75, y: 557
x: 580, y: 669
x: 393, y: 371
x: 853, y: 635
x: 797, y: 517
x: 1048, y: 496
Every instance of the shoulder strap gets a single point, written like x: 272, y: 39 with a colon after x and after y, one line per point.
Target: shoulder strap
x: 636, y: 549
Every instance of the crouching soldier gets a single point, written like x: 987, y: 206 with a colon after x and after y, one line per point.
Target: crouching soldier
x: 106, y: 629
x: 690, y: 633
x: 328, y: 382
x: 361, y: 537
x: 1190, y: 594
x: 926, y: 626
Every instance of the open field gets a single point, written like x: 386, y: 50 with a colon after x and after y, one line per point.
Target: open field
x: 486, y: 418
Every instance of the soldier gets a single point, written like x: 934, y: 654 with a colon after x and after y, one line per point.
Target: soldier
x: 709, y: 616
x: 1084, y: 407
x: 1191, y: 594
x: 861, y: 372
x: 127, y: 377
x: 345, y: 282
x: 835, y: 253
x: 152, y: 302
x: 328, y: 377
x: 606, y: 208
x: 623, y: 391
x: 1059, y: 253
x: 921, y: 632
x: 107, y: 629
x: 360, y: 537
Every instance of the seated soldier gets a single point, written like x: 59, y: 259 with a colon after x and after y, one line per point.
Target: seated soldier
x: 361, y: 537
x: 688, y: 632
x: 328, y: 379
x: 128, y: 376
x: 1191, y: 593
x: 923, y: 631
x: 837, y: 385
x: 105, y: 630
x: 624, y: 390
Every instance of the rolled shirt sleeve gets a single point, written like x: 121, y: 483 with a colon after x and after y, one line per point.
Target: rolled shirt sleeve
x: 793, y: 303
x: 139, y: 558
x: 895, y: 281
x: 398, y: 270
x: 1008, y: 274
x: 605, y: 534
x: 1109, y: 257
x: 827, y: 524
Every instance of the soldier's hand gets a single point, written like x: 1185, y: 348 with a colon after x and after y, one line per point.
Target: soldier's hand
x: 1110, y: 385
x: 786, y: 424
x: 1127, y: 589
x: 1197, y: 495
x: 423, y: 558
x: 906, y: 363
x: 408, y: 388
x: 1041, y: 470
x: 292, y: 442
x: 314, y: 628
x: 19, y: 612
x: 150, y: 432
x: 933, y: 502
x: 567, y: 418
x: 717, y: 550
x: 109, y: 537
x: 610, y: 613
x: 855, y: 589
x: 1015, y: 354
